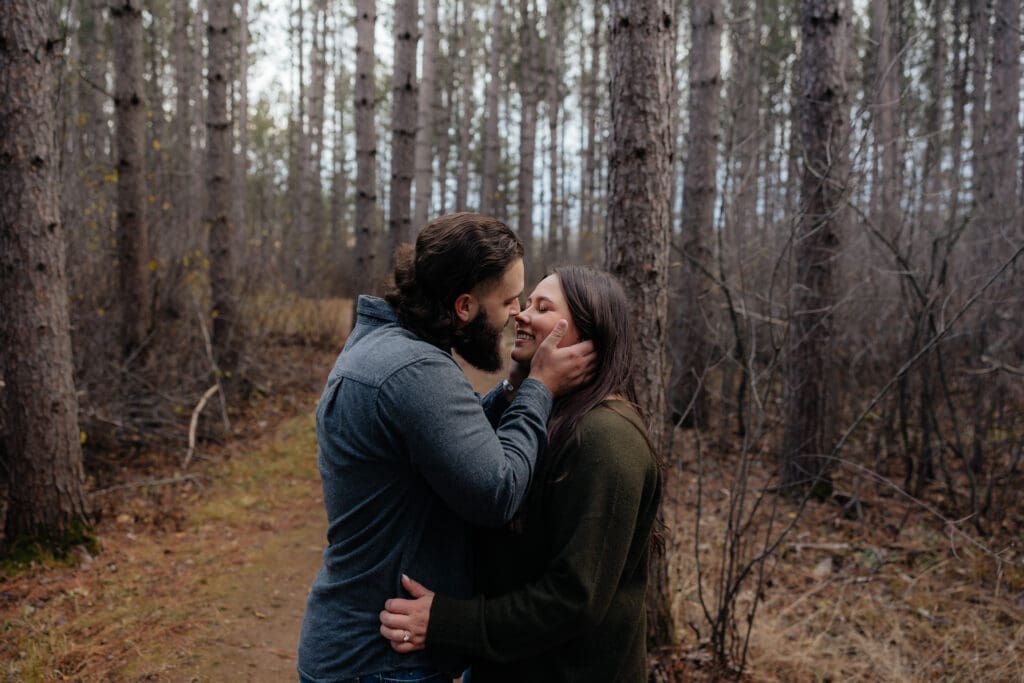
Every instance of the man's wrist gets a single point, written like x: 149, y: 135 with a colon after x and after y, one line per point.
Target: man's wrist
x: 508, y: 390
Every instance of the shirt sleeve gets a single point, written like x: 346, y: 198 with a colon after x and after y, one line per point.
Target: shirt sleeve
x: 494, y: 403
x: 480, y: 473
x: 594, y: 517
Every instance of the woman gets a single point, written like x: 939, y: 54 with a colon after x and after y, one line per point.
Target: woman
x: 562, y: 587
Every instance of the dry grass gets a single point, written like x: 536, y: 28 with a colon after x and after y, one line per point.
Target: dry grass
x: 891, y: 596
x: 293, y: 319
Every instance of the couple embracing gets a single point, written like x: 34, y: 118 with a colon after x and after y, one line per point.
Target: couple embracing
x: 510, y: 533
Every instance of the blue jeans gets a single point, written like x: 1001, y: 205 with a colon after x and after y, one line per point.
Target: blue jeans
x: 397, y: 676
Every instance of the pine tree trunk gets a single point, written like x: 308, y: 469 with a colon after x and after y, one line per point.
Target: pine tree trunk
x: 466, y: 100
x: 528, y: 85
x: 93, y: 55
x: 932, y: 177
x: 588, y: 215
x: 404, y: 96
x: 641, y: 58
x: 226, y: 328
x: 339, y: 233
x: 130, y: 132
x: 241, y: 172
x: 489, y: 199
x: 313, y: 221
x: 553, y: 107
x: 823, y: 108
x: 885, y: 188
x: 746, y: 134
x: 1004, y: 126
x: 183, y: 200
x: 981, y: 182
x: 689, y: 330
x: 41, y: 449
x: 366, y: 142
x: 426, y: 116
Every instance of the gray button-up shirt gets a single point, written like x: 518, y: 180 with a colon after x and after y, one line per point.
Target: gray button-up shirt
x: 410, y: 457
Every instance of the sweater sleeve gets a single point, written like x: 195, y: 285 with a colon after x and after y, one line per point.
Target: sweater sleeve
x: 481, y: 473
x: 594, y: 512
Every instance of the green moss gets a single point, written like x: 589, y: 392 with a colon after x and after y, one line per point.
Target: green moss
x: 20, y: 552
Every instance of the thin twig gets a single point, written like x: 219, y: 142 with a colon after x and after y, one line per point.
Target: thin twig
x: 195, y: 421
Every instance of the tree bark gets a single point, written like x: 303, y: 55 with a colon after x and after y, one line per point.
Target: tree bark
x: 130, y: 132
x: 366, y: 142
x: 41, y: 449
x: 641, y: 62
x: 226, y: 328
x: 885, y: 188
x: 689, y: 330
x: 1004, y: 126
x: 93, y: 55
x: 468, y: 57
x: 554, y: 249
x: 530, y: 98
x: 241, y: 172
x: 313, y: 221
x: 426, y: 117
x: 489, y: 198
x: 404, y: 96
x: 823, y: 110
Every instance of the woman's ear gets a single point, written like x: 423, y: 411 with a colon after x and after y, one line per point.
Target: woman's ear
x: 465, y: 307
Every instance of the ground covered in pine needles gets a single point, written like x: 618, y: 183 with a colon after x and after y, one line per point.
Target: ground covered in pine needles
x: 203, y: 573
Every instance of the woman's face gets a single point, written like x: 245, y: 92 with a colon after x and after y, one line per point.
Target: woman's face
x: 545, y: 307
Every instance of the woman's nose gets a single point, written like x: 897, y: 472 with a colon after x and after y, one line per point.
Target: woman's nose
x: 521, y: 317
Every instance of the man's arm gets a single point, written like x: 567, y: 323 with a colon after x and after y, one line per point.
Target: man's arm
x: 481, y: 473
x: 594, y: 522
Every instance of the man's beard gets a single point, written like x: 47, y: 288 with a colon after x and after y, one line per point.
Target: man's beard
x: 479, y: 343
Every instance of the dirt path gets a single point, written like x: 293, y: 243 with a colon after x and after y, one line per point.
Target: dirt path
x: 204, y: 579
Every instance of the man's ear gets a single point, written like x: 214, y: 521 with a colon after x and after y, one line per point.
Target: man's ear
x: 465, y: 307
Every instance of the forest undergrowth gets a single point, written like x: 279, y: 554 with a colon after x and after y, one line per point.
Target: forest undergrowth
x: 203, y: 571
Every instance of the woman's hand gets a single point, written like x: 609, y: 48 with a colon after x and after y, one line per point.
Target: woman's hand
x: 404, y: 622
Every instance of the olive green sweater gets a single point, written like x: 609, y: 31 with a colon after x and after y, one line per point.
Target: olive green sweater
x: 562, y: 590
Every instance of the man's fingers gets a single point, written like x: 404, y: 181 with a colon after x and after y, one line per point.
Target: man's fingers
x: 398, y: 605
x: 392, y: 620
x: 555, y: 335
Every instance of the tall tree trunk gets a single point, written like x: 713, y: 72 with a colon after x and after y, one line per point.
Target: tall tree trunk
x: 366, y: 142
x: 426, y: 116
x: 689, y: 331
x: 885, y: 188
x: 588, y: 215
x: 1004, y: 126
x: 404, y: 96
x: 226, y: 328
x: 41, y: 450
x: 489, y: 198
x: 641, y: 59
x: 183, y: 199
x: 241, y: 172
x: 197, y: 170
x: 130, y: 117
x: 468, y: 57
x: 528, y: 91
x: 313, y: 184
x: 981, y: 181
x: 932, y: 176
x: 746, y: 125
x: 823, y: 110
x: 93, y: 55
x: 554, y: 249
x: 339, y: 227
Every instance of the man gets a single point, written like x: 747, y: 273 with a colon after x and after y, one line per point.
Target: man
x: 410, y: 456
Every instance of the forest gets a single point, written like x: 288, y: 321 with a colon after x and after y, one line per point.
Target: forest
x: 816, y: 208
